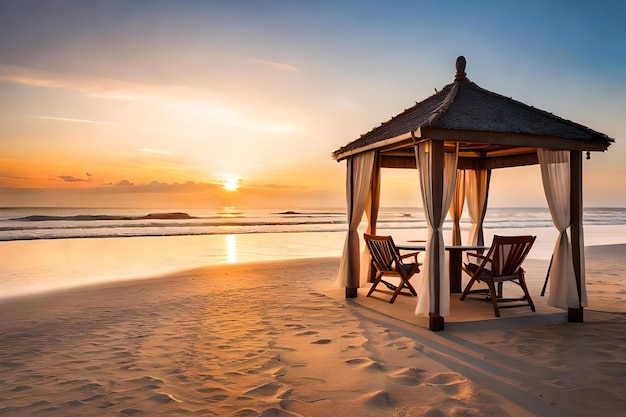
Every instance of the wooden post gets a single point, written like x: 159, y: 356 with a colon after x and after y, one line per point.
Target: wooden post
x: 576, y: 213
x: 455, y: 258
x: 481, y: 232
x: 373, y: 210
x: 436, y: 321
x: 351, y: 289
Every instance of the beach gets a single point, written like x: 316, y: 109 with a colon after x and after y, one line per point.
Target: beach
x: 278, y: 338
x: 186, y: 189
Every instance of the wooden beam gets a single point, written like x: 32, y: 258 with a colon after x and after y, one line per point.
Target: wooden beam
x: 398, y: 162
x: 509, y: 151
x: 512, y: 161
x: 405, y: 137
x: 510, y: 138
x: 497, y: 162
x: 408, y: 162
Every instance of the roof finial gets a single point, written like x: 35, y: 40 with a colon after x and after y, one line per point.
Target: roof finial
x: 460, y: 69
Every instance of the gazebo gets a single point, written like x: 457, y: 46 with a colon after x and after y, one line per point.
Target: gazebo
x: 455, y: 138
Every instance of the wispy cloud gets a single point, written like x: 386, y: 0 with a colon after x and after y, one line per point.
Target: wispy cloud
x: 181, y: 103
x: 282, y: 187
x: 123, y: 183
x: 14, y: 177
x: 91, y: 86
x: 71, y: 178
x: 68, y: 119
x: 29, y: 76
x: 157, y: 151
x: 276, y: 65
x: 125, y: 186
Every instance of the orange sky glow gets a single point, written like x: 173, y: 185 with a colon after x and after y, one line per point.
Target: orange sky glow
x: 147, y: 104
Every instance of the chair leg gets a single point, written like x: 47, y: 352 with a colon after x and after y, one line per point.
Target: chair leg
x: 398, y: 289
x: 467, y: 288
x: 408, y: 285
x: 376, y: 281
x: 404, y: 283
x: 395, y: 294
x: 494, y: 296
x: 522, y: 281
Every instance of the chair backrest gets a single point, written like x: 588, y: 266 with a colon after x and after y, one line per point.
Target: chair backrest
x: 383, y: 250
x: 508, y: 253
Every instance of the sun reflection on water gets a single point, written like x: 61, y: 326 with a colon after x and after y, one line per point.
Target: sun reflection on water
x: 231, y: 248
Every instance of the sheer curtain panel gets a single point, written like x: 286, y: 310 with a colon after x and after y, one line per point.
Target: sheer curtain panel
x: 477, y: 191
x: 436, y: 198
x: 360, y: 168
x: 555, y: 174
x: 456, y: 207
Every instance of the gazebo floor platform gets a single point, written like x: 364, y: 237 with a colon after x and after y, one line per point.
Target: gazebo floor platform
x: 474, y: 312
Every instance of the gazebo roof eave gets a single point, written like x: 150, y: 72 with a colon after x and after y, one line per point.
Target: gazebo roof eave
x: 499, y: 138
x: 405, y: 137
x: 512, y: 139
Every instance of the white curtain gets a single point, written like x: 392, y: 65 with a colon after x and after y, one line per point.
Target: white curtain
x: 358, y: 181
x: 555, y: 174
x: 477, y: 191
x: 435, y: 213
x: 456, y: 207
x: 371, y: 211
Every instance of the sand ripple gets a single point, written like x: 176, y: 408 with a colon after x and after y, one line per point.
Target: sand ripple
x: 263, y: 340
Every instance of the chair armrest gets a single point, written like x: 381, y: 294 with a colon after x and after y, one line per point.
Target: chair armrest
x: 476, y: 269
x: 477, y: 255
x: 408, y: 255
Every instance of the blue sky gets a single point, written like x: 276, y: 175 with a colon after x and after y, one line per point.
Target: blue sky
x: 262, y: 92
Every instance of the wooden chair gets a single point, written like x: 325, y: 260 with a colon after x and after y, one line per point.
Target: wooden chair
x: 502, y: 263
x: 387, y: 260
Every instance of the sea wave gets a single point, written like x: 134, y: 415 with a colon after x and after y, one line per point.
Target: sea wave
x: 32, y: 224
x: 93, y: 217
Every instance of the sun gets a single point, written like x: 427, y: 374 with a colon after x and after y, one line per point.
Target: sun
x: 231, y: 185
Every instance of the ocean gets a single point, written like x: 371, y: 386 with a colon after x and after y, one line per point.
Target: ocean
x: 43, y: 249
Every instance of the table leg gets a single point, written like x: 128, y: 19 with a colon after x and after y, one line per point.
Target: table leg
x: 455, y: 257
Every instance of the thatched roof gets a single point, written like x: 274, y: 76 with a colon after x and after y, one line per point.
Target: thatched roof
x: 464, y: 106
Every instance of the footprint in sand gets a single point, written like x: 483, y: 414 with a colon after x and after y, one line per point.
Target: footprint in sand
x: 264, y: 390
x: 445, y: 378
x: 162, y: 398
x: 409, y: 376
x: 295, y: 326
x: 277, y: 412
x: 367, y: 364
x: 214, y: 393
x: 246, y: 412
x: 357, y: 361
x: 147, y: 382
x: 322, y: 342
x: 307, y: 333
x: 450, y: 383
x: 380, y: 398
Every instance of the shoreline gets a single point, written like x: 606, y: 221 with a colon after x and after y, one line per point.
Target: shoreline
x: 609, y: 252
x: 48, y: 264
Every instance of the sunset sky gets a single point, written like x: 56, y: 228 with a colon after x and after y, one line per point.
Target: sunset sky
x: 163, y: 103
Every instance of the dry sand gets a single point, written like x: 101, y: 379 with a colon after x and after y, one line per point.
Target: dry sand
x: 279, y: 339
